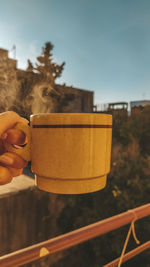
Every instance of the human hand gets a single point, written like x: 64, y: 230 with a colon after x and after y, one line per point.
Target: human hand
x: 11, y: 165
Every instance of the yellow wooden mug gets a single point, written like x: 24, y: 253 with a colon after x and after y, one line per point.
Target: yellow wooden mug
x: 70, y: 152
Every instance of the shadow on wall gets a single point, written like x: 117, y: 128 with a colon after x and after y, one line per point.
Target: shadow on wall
x: 27, y: 171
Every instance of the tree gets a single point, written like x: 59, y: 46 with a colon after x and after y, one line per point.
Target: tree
x: 128, y: 187
x: 49, y: 70
x: 30, y: 67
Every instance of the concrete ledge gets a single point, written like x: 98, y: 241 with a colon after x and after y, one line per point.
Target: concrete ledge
x: 28, y: 216
x: 20, y: 183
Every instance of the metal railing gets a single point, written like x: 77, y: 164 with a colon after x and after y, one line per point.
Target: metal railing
x: 43, y: 249
x: 130, y: 254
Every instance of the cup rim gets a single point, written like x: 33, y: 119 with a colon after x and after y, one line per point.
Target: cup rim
x: 71, y: 114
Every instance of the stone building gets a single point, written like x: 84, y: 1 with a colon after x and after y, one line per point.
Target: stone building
x: 118, y: 109
x: 26, y: 93
x: 138, y: 106
x: 8, y: 80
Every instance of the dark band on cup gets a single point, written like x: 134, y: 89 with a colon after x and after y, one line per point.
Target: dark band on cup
x: 71, y: 126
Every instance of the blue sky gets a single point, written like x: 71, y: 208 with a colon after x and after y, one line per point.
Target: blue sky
x: 105, y: 43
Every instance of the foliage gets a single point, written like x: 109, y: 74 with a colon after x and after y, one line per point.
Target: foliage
x: 45, y: 71
x: 49, y: 70
x: 30, y: 67
x: 128, y: 187
x: 45, y: 67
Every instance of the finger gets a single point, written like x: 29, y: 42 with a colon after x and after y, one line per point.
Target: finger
x: 2, y: 148
x: 8, y: 120
x: 5, y: 176
x: 14, y: 136
x: 15, y: 172
x: 11, y: 159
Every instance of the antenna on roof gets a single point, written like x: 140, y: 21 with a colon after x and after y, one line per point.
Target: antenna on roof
x: 14, y: 51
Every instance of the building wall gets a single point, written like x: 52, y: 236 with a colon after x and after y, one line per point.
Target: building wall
x: 27, y: 216
x: 8, y: 81
x: 138, y: 106
x: 122, y: 113
x: 78, y: 100
x: 136, y: 110
x: 24, y: 92
x: 140, y: 103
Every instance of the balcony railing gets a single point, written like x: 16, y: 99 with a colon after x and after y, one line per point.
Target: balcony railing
x: 43, y: 249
